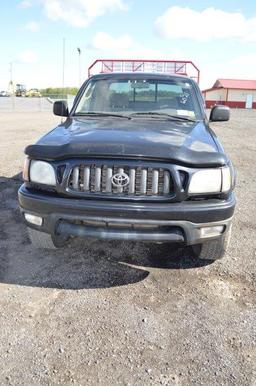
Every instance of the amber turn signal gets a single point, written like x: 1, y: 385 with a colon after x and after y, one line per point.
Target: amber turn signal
x: 25, y: 174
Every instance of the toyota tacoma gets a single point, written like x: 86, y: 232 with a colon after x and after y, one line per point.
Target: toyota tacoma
x: 134, y: 159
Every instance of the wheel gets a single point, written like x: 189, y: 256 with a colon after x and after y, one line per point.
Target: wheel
x: 213, y: 249
x: 46, y: 241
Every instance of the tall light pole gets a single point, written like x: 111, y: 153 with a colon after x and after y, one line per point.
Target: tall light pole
x: 11, y: 85
x: 63, y: 69
x: 63, y: 63
x: 79, y: 66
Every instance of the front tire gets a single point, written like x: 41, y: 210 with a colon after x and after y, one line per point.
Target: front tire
x: 213, y: 249
x: 45, y: 241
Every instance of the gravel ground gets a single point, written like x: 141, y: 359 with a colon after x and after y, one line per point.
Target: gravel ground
x: 18, y: 104
x: 109, y: 314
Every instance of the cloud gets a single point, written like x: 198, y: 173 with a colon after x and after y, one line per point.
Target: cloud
x: 32, y: 26
x: 237, y: 67
x: 80, y: 13
x: 125, y: 47
x: 241, y: 67
x: 27, y: 56
x: 25, y: 4
x: 139, y: 51
x: 185, y: 23
x: 104, y: 41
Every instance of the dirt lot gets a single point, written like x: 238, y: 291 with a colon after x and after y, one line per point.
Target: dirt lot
x: 105, y: 314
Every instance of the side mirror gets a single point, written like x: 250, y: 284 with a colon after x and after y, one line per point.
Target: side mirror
x: 60, y: 108
x: 219, y: 114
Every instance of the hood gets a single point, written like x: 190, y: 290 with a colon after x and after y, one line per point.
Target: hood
x: 187, y: 143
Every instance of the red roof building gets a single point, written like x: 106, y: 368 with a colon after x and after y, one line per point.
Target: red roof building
x: 238, y: 93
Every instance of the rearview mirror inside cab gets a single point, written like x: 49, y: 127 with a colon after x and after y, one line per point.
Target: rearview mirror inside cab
x: 219, y: 114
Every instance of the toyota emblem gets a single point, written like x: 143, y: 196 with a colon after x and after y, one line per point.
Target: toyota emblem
x: 120, y: 180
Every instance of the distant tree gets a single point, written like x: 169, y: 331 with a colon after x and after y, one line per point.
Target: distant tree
x: 58, y: 91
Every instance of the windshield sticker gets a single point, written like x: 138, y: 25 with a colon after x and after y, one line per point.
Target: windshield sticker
x: 184, y: 97
x: 186, y: 112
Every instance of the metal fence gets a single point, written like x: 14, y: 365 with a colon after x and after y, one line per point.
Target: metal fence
x: 32, y: 104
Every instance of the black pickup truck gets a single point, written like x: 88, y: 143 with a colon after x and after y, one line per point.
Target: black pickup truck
x: 135, y: 159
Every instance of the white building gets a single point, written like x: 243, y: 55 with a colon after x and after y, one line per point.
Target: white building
x: 232, y: 92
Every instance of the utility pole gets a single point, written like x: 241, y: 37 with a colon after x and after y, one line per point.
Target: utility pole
x: 79, y: 66
x: 63, y: 70
x: 63, y: 63
x: 11, y: 85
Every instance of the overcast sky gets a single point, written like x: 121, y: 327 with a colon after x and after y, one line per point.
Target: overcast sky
x: 218, y: 36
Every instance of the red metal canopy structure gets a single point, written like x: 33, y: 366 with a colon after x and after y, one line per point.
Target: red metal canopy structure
x: 178, y: 67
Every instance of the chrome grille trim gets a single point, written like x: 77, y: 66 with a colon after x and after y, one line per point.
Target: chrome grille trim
x: 76, y: 178
x: 155, y: 175
x: 97, y: 186
x: 143, y: 182
x: 166, y: 182
x: 109, y: 174
x: 86, y: 178
x: 89, y: 178
x: 132, y: 181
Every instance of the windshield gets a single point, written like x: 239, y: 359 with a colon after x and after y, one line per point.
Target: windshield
x: 140, y: 96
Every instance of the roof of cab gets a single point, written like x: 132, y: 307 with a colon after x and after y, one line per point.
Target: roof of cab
x: 142, y: 75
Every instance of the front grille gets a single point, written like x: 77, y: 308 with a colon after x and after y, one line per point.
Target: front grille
x: 97, y: 179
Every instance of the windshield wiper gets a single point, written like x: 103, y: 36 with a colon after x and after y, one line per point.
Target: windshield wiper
x: 100, y: 114
x: 154, y: 114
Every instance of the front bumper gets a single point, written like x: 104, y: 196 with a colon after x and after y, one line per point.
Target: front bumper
x: 150, y: 221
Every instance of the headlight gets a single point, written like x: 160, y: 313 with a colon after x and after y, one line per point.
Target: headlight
x: 210, y: 181
x: 42, y: 173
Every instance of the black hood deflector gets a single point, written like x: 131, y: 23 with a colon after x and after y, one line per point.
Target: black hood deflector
x: 185, y: 143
